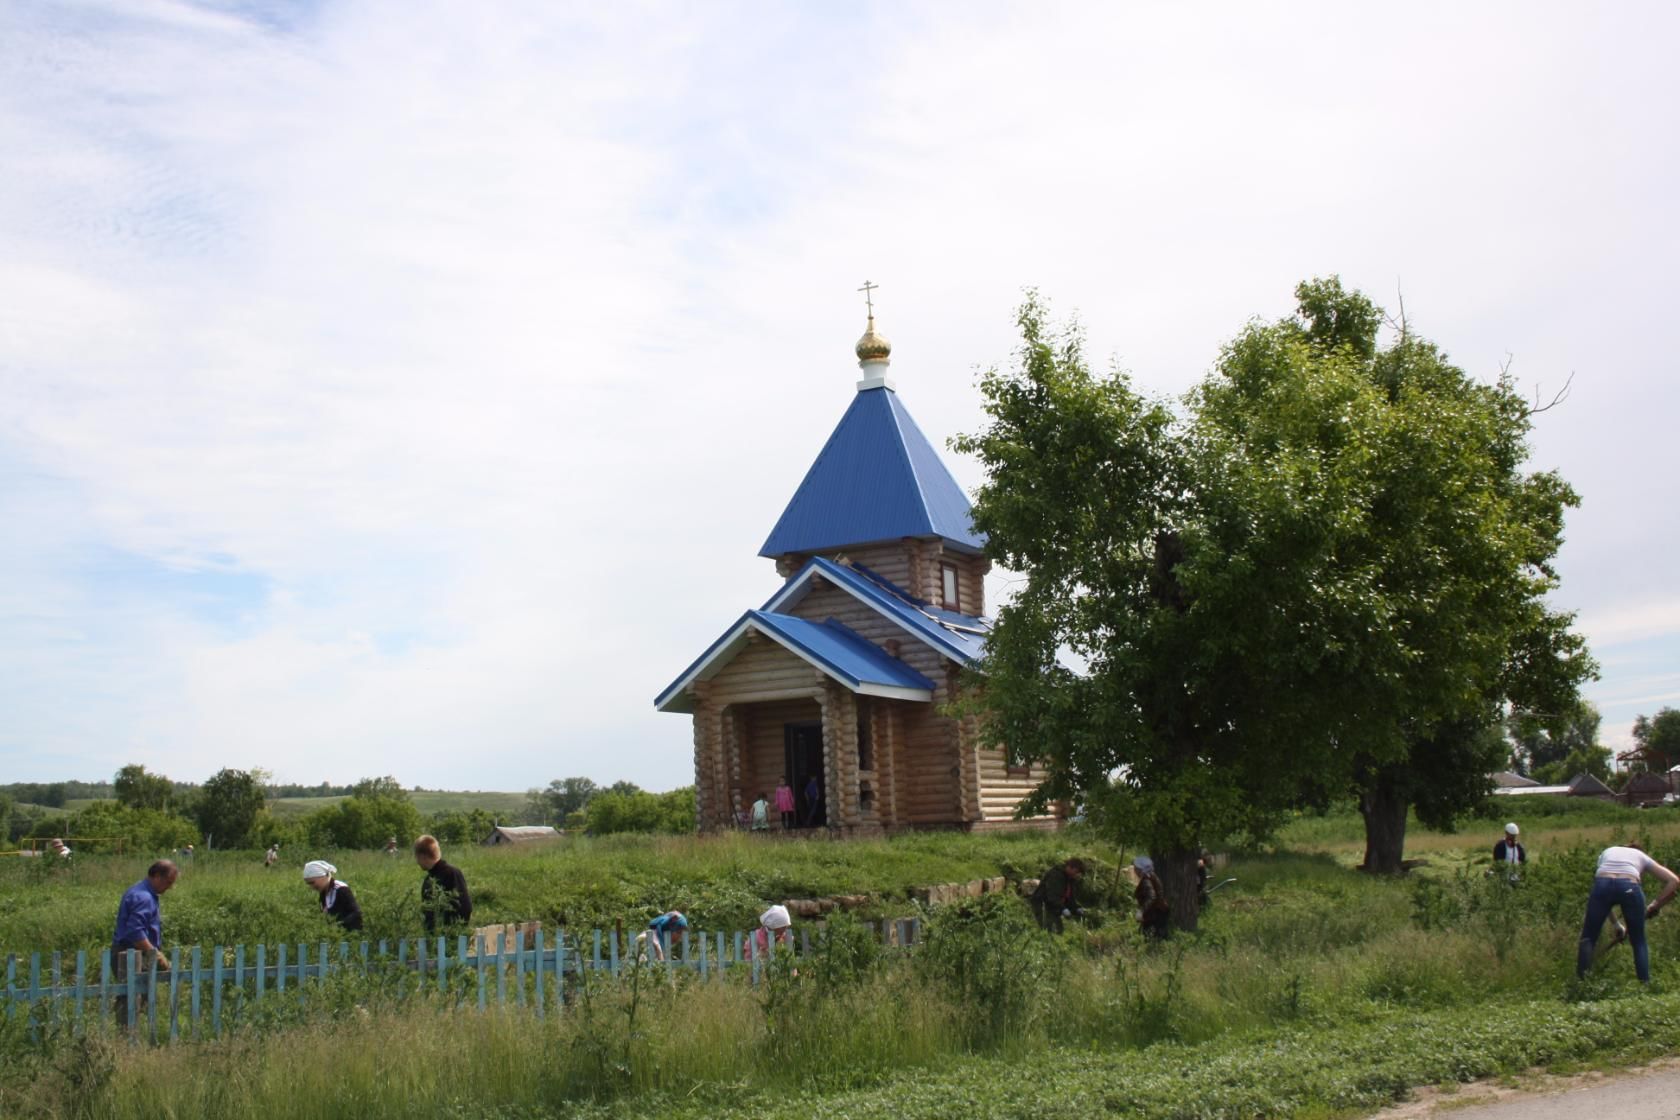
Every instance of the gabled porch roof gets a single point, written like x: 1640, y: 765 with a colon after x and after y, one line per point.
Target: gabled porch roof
x: 960, y: 637
x: 832, y: 647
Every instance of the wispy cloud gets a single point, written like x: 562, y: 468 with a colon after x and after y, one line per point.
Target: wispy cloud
x: 407, y: 387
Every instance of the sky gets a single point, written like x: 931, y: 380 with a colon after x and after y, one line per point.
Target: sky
x: 407, y: 387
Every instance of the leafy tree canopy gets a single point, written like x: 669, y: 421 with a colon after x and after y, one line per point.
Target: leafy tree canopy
x: 379, y: 789
x: 1329, y: 570
x: 229, y: 806
x: 1658, y: 739
x: 562, y: 798
x: 1542, y: 741
x: 137, y: 788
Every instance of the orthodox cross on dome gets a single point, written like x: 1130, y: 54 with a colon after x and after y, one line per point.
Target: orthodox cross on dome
x: 868, y: 290
x: 873, y: 350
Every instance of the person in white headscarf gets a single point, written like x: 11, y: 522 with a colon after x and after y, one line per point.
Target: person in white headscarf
x: 775, y: 927
x: 1509, y: 854
x: 1154, y: 912
x: 337, y: 901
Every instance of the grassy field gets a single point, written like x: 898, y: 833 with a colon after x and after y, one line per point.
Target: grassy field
x: 587, y: 882
x: 1312, y: 991
x: 43, y: 810
x: 501, y: 804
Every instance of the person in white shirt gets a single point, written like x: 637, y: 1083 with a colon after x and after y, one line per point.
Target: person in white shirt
x: 1509, y: 853
x: 1616, y: 884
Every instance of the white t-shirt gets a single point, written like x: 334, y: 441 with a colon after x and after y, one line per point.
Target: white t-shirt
x: 1630, y: 863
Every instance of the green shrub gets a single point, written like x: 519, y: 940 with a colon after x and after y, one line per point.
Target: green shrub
x: 992, y: 960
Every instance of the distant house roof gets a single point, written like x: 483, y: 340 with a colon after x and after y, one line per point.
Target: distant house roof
x: 1518, y: 791
x: 961, y: 637
x: 876, y: 479
x: 831, y: 647
x: 520, y: 834
x: 1506, y: 779
x: 1585, y: 785
x: 1646, y: 782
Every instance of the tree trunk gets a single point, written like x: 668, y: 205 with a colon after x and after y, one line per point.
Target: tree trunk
x: 1177, y: 869
x: 1384, y: 804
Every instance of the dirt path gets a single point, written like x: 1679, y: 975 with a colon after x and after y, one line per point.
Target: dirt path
x: 1650, y: 1093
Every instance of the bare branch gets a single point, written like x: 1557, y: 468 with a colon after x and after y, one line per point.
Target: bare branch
x: 1557, y: 398
x: 1399, y: 324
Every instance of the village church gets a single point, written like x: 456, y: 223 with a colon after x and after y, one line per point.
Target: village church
x: 839, y: 682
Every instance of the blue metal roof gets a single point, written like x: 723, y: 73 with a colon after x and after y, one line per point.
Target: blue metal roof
x: 960, y: 637
x: 833, y: 647
x: 876, y: 479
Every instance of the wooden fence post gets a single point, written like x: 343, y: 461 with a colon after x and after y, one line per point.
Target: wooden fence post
x: 174, y: 993
x: 479, y: 958
x: 195, y: 1021
x: 216, y: 989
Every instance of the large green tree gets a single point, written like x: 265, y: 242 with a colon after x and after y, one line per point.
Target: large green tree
x: 1327, y: 572
x: 1657, y: 739
x: 1555, y: 746
x: 562, y: 798
x: 229, y: 805
x: 1147, y: 656
x: 137, y: 788
x: 1460, y: 540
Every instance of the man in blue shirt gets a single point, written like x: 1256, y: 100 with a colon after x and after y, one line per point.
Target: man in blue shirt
x: 140, y: 925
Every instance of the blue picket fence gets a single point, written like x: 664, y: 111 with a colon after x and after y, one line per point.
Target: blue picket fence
x: 195, y: 996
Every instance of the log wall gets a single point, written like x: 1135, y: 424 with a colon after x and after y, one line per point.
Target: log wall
x: 928, y: 768
x: 1001, y: 791
x: 912, y: 565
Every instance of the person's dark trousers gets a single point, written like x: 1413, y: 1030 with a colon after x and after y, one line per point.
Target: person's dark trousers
x: 1049, y: 915
x: 787, y: 820
x: 119, y: 977
x: 1608, y: 893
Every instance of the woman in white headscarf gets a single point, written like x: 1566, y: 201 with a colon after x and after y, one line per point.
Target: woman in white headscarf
x: 775, y: 927
x: 336, y: 897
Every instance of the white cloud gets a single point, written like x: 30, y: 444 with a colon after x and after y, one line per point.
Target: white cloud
x: 491, y: 340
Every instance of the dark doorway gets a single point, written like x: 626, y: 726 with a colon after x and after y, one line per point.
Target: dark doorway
x: 803, y: 746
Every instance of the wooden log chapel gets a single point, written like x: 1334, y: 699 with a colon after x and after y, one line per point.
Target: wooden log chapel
x: 844, y: 675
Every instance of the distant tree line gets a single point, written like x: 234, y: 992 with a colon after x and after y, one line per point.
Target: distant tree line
x: 153, y: 813
x: 54, y: 794
x: 579, y: 805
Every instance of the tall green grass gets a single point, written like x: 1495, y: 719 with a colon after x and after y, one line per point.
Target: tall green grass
x: 1311, y: 987
x: 721, y: 882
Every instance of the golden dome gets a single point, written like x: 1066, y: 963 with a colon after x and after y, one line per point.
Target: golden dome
x: 873, y: 346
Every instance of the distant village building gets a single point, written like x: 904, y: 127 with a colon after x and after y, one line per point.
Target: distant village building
x: 1646, y: 788
x: 1581, y: 785
x: 1585, y: 785
x: 839, y: 682
x: 519, y: 834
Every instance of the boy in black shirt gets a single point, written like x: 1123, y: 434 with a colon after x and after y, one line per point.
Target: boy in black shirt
x: 443, y: 892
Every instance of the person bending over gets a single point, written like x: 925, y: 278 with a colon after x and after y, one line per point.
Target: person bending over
x: 1616, y: 885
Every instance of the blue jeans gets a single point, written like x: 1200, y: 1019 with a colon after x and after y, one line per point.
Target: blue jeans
x: 1623, y: 893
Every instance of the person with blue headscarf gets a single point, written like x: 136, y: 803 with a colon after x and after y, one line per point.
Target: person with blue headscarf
x: 669, y: 928
x: 1154, y: 910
